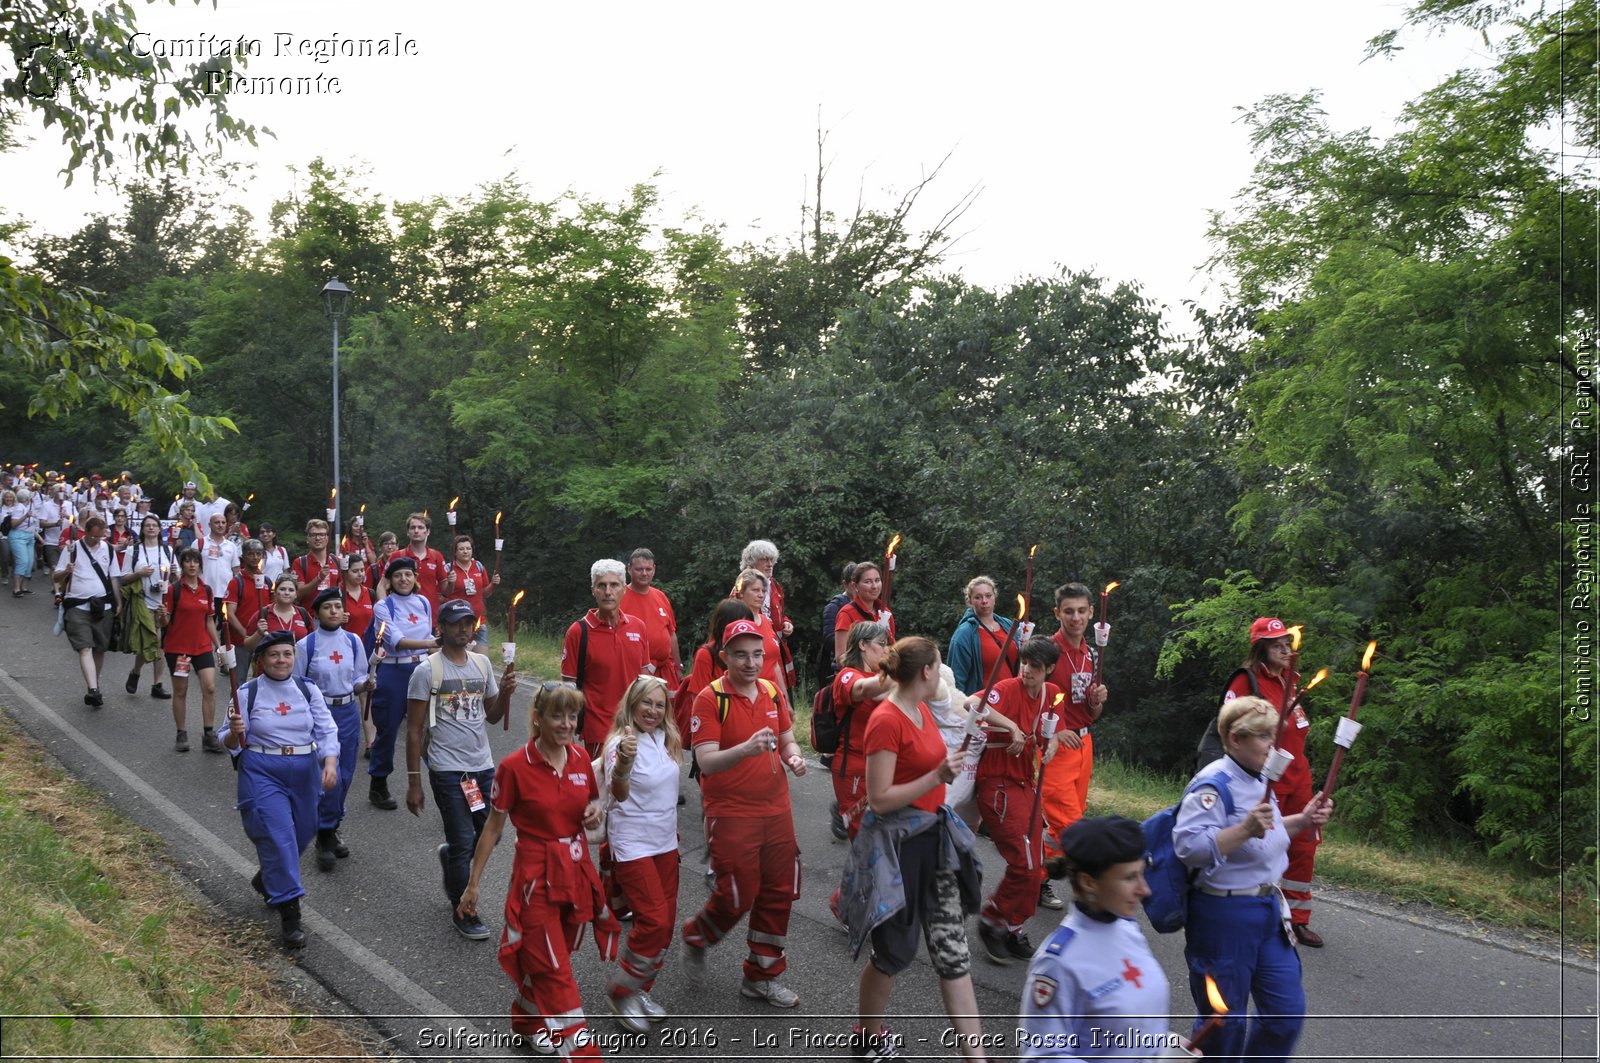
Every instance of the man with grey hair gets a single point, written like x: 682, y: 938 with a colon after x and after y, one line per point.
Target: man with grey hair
x: 604, y: 651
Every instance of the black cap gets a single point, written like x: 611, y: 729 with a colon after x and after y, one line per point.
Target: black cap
x: 400, y: 562
x: 456, y: 610
x: 1096, y: 843
x: 326, y: 595
x: 274, y: 638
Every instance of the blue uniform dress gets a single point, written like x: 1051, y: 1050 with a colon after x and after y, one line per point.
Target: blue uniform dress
x: 1094, y: 991
x: 402, y: 616
x: 336, y: 662
x: 286, y: 737
x: 1242, y: 939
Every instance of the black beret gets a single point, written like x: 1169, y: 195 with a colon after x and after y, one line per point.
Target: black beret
x: 326, y: 595
x: 403, y: 561
x: 1095, y: 843
x: 274, y: 638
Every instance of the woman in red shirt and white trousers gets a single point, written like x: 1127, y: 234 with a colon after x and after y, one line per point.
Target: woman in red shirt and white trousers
x: 548, y: 791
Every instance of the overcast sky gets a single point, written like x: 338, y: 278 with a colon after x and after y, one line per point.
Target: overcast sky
x: 1099, y: 134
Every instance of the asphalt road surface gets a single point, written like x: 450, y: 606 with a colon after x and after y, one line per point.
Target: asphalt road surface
x: 1393, y: 983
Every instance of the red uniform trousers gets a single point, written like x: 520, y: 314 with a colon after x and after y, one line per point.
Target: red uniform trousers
x: 650, y: 886
x: 757, y: 862
x: 1004, y: 805
x: 1293, y: 795
x: 535, y: 951
x: 850, y: 790
x: 1065, y: 786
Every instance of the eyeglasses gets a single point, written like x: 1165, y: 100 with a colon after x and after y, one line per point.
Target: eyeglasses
x: 651, y: 677
x: 556, y: 684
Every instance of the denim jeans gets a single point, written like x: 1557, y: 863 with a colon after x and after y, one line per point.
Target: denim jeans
x: 461, y: 825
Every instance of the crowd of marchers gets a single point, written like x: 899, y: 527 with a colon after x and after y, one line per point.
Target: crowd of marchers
x: 328, y: 655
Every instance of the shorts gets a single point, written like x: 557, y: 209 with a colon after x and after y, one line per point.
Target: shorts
x: 198, y: 662
x: 86, y: 634
x: 933, y: 903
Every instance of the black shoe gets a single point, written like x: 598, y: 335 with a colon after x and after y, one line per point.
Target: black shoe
x: 836, y: 823
x: 325, y: 857
x: 682, y: 800
x: 336, y: 843
x: 1019, y: 946
x: 159, y: 692
x: 293, y: 936
x: 379, y: 794
x: 258, y: 885
x: 132, y: 685
x: 93, y: 699
x: 470, y: 927
x: 993, y: 940
x: 1048, y: 898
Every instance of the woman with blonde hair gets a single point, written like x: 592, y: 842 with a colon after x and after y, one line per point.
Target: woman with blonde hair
x: 640, y: 765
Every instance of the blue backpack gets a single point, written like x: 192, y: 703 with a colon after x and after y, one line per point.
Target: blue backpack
x: 1169, y: 878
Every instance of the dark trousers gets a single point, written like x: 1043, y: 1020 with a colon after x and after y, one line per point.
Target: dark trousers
x: 461, y: 825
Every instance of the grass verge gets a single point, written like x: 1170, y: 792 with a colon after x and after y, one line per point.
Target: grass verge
x: 95, y: 938
x: 1452, y: 879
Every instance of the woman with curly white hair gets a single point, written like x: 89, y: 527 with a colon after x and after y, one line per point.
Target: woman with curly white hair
x: 762, y: 555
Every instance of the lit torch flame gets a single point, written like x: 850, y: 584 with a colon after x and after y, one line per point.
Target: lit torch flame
x: 424, y: 512
x: 515, y: 598
x: 453, y: 502
x: 1322, y: 673
x: 1294, y: 637
x: 363, y: 510
x: 1213, y: 994
x: 251, y: 497
x: 1113, y: 585
x: 1059, y: 699
x: 1034, y: 549
x: 1022, y: 608
x: 894, y: 544
x: 333, y: 494
x: 1366, y: 658
x: 497, y: 517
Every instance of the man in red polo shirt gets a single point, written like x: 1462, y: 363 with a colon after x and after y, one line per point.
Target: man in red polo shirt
x: 317, y: 569
x: 649, y: 604
x: 604, y: 652
x: 743, y: 740
x: 1065, y: 782
x: 434, y: 581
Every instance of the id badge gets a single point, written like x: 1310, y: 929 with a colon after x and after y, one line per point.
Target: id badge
x: 474, y: 794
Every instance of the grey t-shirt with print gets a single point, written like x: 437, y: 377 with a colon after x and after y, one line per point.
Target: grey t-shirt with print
x: 459, y: 739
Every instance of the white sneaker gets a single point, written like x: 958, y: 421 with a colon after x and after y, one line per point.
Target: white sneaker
x: 779, y: 996
x: 629, y: 1011
x: 652, y: 1011
x: 539, y: 1043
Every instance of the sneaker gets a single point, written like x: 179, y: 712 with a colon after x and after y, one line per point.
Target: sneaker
x: 537, y: 1043
x: 1019, y: 946
x: 836, y: 823
x: 630, y: 1012
x: 779, y: 996
x: 470, y: 927
x: 884, y: 1044
x: 181, y: 743
x: 1048, y: 898
x: 993, y: 940
x: 160, y: 693
x: 210, y: 743
x: 132, y: 685
x: 652, y: 1011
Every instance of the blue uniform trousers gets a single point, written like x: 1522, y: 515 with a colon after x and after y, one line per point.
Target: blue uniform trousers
x: 330, y: 806
x: 388, y: 715
x: 1241, y: 943
x: 278, y: 803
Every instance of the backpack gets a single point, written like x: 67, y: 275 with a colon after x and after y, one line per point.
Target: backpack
x: 724, y: 699
x: 1209, y: 747
x: 1168, y: 877
x: 826, y: 728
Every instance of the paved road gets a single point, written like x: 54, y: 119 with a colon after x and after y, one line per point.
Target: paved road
x: 1389, y: 986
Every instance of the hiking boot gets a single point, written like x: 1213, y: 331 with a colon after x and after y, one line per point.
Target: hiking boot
x: 181, y: 743
x: 210, y: 743
x: 993, y: 940
x: 779, y: 996
x: 1306, y: 936
x: 1019, y: 947
x: 1048, y: 898
x: 629, y: 1011
x: 293, y: 936
x: 378, y: 794
x: 160, y: 693
x: 325, y: 857
x: 336, y: 843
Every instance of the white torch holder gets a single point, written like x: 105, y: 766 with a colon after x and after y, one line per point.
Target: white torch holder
x: 499, y: 545
x: 331, y: 513
x: 508, y: 652
x: 226, y: 656
x: 1277, y: 763
x: 450, y: 515
x: 1102, y: 635
x: 1024, y: 631
x: 1345, y: 734
x: 1047, y: 726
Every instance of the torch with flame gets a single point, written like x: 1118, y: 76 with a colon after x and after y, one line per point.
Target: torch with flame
x: 333, y: 503
x: 1049, y: 720
x: 450, y: 514
x: 499, y: 543
x: 251, y: 497
x: 1348, y: 727
x: 1102, y: 632
x: 1027, y: 583
x: 888, y: 571
x: 1219, y: 1012
x: 511, y: 617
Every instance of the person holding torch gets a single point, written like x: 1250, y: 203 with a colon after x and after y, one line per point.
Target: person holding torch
x: 1064, y: 782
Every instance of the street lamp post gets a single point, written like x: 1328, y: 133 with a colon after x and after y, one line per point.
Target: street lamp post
x: 336, y: 300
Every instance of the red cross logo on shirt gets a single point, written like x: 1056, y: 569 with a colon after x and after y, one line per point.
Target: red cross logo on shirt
x: 1131, y: 973
x: 412, y: 617
x: 335, y: 656
x: 281, y: 708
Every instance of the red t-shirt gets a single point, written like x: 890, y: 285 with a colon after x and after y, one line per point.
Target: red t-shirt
x: 1073, y: 673
x: 1293, y: 739
x: 660, y: 624
x: 853, y: 743
x: 615, y: 657
x: 431, y: 571
x: 472, y: 585
x: 299, y: 625
x: 771, y: 659
x: 245, y: 602
x: 756, y: 786
x: 357, y: 610
x: 313, y: 573
x: 917, y: 750
x: 1013, y: 702
x: 543, y: 804
x: 187, y: 609
x: 853, y: 612
x: 989, y: 643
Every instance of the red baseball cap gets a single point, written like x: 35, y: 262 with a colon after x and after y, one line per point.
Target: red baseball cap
x: 739, y: 629
x: 1267, y: 627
